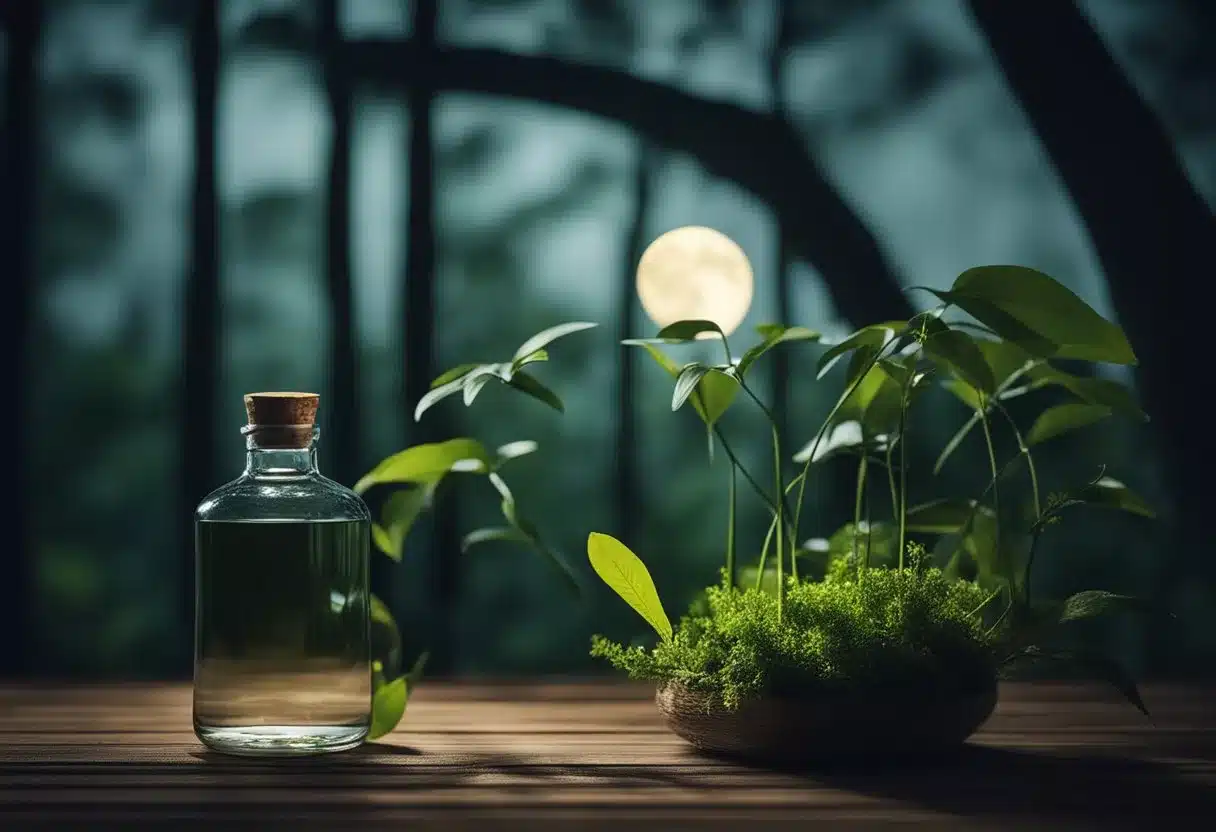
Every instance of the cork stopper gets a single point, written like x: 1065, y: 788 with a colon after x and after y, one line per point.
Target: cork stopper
x: 282, y: 420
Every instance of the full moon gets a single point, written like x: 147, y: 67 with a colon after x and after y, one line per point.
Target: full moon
x: 695, y: 273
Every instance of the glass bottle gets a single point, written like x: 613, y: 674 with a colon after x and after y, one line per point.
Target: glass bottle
x: 282, y: 661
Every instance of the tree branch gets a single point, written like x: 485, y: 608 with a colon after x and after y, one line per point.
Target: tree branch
x: 1151, y: 229
x: 759, y: 152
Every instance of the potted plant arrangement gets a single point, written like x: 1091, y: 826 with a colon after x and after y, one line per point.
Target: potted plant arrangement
x: 871, y: 643
x: 420, y: 473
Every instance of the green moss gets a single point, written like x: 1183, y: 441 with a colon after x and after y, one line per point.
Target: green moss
x: 911, y: 630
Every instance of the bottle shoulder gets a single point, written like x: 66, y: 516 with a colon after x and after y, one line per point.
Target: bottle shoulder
x: 285, y: 498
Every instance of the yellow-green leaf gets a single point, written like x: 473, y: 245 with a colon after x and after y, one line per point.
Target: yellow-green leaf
x: 628, y: 577
x: 388, y: 706
x: 424, y: 464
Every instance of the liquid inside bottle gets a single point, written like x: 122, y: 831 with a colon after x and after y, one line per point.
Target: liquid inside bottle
x: 282, y: 642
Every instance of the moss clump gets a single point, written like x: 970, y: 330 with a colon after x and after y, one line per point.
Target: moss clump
x: 912, y: 631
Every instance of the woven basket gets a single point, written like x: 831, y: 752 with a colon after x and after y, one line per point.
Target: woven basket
x: 827, y: 728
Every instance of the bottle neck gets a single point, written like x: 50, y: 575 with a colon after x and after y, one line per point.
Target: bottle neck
x: 267, y: 455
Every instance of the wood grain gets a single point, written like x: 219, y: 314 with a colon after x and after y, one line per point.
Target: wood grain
x: 592, y: 756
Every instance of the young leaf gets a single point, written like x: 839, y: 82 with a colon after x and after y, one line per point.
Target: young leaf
x: 530, y: 358
x: 627, y: 576
x: 425, y: 464
x: 397, y: 516
x: 545, y: 337
x: 438, y: 394
x: 844, y: 437
x: 1038, y: 304
x: 507, y: 534
x: 1108, y: 492
x: 453, y: 374
x: 1095, y: 602
x: 773, y: 335
x: 689, y: 330
x: 955, y: 350
x: 686, y: 383
x: 514, y: 450
x: 474, y: 381
x: 527, y: 384
x: 941, y: 516
x: 715, y: 392
x: 388, y: 706
x: 875, y: 336
x: 522, y: 532
x: 1101, y: 391
x: 1059, y: 420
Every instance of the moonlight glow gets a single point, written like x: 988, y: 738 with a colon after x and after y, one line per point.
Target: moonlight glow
x: 695, y: 273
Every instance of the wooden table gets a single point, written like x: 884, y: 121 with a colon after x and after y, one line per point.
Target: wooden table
x: 590, y: 757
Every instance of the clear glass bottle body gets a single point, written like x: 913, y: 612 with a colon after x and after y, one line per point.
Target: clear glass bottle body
x: 282, y: 662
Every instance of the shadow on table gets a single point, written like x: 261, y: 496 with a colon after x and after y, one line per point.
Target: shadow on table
x: 977, y: 782
x: 1008, y: 784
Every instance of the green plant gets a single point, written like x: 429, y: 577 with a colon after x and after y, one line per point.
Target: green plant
x: 421, y: 473
x: 882, y: 601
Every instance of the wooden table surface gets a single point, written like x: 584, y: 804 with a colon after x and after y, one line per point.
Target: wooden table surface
x: 595, y: 756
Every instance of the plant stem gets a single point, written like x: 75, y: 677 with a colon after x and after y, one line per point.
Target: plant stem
x: 730, y: 532
x: 806, y: 467
x: 891, y: 476
x: 996, y: 490
x: 903, y: 475
x: 861, y: 490
x: 780, y: 486
x: 746, y: 475
x: 768, y: 538
x: 1034, y: 475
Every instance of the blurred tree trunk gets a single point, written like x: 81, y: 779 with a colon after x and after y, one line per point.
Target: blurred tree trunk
x: 23, y: 30
x: 201, y: 300
x: 343, y: 414
x: 442, y: 576
x: 628, y: 505
x: 1151, y: 229
x: 780, y: 358
x: 764, y: 154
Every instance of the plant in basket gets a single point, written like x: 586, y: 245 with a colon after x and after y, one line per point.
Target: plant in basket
x: 886, y: 638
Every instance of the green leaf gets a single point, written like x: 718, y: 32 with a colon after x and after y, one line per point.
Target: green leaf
x: 1005, y: 360
x: 438, y: 394
x: 875, y: 336
x: 530, y: 358
x: 773, y: 334
x: 424, y: 464
x: 397, y: 516
x: 661, y: 358
x: 1038, y: 314
x: 474, y: 381
x: 1059, y: 420
x: 955, y: 350
x: 689, y: 330
x: 1108, y: 492
x: 388, y: 706
x: 686, y: 383
x: 453, y: 374
x: 514, y: 450
x: 844, y: 437
x: 1093, y: 603
x: 965, y: 393
x: 545, y: 337
x: 527, y: 384
x: 1101, y: 391
x: 628, y: 577
x: 715, y: 392
x: 941, y: 516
